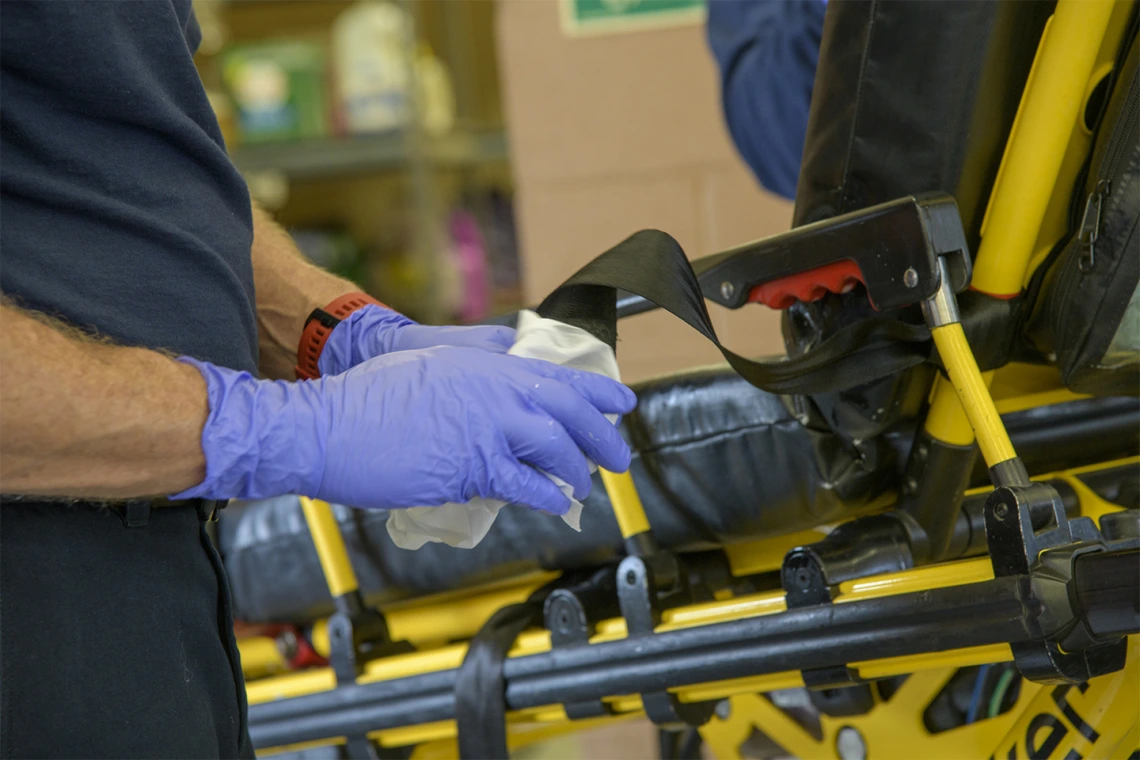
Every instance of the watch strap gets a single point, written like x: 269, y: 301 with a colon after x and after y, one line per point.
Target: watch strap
x: 319, y: 326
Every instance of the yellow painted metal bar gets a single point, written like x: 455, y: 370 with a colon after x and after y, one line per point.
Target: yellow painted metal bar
x: 330, y: 547
x: 1093, y: 505
x: 1035, y: 151
x: 708, y: 613
x: 439, y: 658
x: 973, y: 394
x: 1035, y: 400
x: 1072, y: 475
x: 919, y: 579
x: 945, y: 421
x: 456, y: 617
x: 1020, y: 379
x: 406, y: 736
x: 764, y: 555
x: 300, y: 746
x: 791, y: 679
x: 957, y: 658
x: 290, y: 685
x: 414, y: 663
x: 627, y: 505
x: 542, y: 731
x: 924, y: 578
x: 1045, y: 119
x: 260, y: 656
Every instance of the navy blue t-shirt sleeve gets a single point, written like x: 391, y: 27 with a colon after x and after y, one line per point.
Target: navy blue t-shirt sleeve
x: 767, y: 51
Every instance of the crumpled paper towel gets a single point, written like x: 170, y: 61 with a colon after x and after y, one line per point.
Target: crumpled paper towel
x: 464, y: 525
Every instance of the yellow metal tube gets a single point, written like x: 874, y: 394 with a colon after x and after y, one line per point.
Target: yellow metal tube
x: 330, y: 547
x: 627, y: 505
x: 908, y: 581
x: 260, y: 656
x: 790, y: 679
x: 945, y: 421
x: 956, y: 658
x: 288, y: 685
x: 973, y: 393
x: 926, y: 578
x: 1035, y: 151
x: 1034, y: 154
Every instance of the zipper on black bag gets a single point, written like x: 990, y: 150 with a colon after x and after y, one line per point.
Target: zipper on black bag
x: 1090, y: 225
x: 1124, y: 135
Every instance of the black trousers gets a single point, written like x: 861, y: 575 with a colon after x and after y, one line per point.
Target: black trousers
x: 115, y: 642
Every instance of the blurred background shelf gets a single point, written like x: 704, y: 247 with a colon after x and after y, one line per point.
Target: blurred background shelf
x: 373, y: 131
x: 327, y: 157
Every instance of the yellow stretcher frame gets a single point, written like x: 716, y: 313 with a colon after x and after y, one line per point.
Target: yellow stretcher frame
x: 458, y: 616
x: 1023, y: 220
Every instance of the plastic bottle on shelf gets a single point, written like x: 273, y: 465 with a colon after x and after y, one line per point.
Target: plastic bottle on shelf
x: 471, y: 263
x: 437, y: 96
x: 372, y: 71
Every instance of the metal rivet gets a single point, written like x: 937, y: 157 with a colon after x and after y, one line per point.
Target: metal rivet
x: 631, y: 577
x: 849, y: 744
x: 803, y: 578
x: 727, y: 289
x: 910, y: 278
x: 287, y: 644
x: 1001, y: 510
x: 723, y: 709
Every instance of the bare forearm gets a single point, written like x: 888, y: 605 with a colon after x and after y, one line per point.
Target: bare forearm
x: 85, y: 419
x: 288, y: 289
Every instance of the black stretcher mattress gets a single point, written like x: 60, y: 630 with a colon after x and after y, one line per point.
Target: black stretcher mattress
x: 715, y: 461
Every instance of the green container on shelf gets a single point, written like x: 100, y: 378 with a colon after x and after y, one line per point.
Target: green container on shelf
x: 278, y: 89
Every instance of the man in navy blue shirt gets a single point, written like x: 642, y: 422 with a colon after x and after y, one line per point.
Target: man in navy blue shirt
x: 767, y: 51
x: 151, y: 325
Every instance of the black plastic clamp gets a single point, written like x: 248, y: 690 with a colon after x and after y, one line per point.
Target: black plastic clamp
x: 1029, y: 534
x: 811, y: 575
x: 871, y: 545
x: 571, y: 614
x: 358, y: 634
x: 646, y: 586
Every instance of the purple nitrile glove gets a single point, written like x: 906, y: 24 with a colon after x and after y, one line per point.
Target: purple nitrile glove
x: 413, y: 428
x: 374, y: 331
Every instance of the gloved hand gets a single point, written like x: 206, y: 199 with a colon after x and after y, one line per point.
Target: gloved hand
x: 413, y: 428
x: 374, y: 331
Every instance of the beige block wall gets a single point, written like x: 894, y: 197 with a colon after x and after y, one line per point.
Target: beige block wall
x: 615, y: 133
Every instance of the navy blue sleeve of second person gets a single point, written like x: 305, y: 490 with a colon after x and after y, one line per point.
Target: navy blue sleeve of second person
x: 767, y: 51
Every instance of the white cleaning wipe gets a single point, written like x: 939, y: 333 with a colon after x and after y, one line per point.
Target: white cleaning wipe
x: 464, y: 525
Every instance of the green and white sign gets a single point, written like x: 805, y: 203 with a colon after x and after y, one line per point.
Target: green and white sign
x: 588, y: 17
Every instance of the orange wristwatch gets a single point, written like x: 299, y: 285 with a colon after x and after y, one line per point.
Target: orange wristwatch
x: 318, y: 328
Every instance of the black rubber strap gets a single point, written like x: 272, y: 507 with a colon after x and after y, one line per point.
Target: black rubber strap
x: 651, y: 264
x: 480, y: 691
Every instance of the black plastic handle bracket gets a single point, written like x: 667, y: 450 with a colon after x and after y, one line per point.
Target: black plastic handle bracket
x: 896, y: 246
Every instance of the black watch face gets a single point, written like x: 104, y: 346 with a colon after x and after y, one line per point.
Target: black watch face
x: 322, y: 316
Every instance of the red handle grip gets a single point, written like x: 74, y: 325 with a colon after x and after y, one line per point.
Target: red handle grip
x: 837, y: 277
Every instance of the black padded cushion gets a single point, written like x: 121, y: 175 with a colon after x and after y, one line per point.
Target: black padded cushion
x: 715, y: 461
x: 908, y: 97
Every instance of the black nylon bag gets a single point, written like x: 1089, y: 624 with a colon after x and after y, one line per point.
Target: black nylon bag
x: 1086, y: 307
x: 908, y: 97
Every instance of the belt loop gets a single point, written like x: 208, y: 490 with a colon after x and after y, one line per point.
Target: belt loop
x: 136, y: 514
